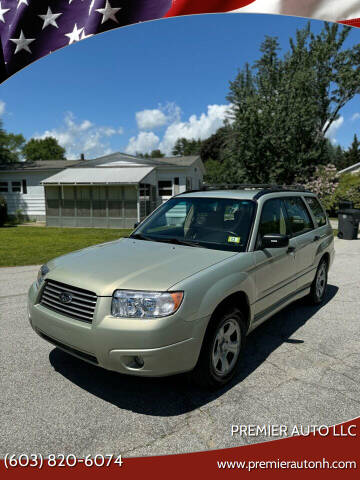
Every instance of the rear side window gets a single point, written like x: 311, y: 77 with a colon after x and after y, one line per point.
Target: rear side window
x: 317, y: 210
x: 299, y: 218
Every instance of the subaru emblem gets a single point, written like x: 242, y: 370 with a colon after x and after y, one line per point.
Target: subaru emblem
x: 65, y: 297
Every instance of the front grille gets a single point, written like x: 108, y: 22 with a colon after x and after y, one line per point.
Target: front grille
x: 81, y: 306
x: 71, y: 350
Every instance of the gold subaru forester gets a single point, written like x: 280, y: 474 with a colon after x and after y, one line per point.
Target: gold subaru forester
x: 192, y: 280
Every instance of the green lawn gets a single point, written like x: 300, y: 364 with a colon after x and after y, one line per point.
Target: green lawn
x: 36, y: 245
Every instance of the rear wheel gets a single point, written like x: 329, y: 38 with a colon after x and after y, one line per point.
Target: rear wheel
x: 319, y: 285
x: 220, y: 354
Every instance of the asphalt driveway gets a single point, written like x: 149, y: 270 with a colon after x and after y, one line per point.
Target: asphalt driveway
x: 300, y: 367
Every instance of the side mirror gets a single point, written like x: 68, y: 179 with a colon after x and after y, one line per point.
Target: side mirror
x: 136, y: 224
x: 275, y: 240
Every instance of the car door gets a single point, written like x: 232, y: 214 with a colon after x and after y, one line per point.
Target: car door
x: 275, y: 274
x: 305, y: 238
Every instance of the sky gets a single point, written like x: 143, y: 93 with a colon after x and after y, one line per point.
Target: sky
x: 139, y: 88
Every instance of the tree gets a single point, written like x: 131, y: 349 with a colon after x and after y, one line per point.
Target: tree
x: 10, y: 146
x: 336, y: 155
x: 349, y: 189
x: 282, y: 108
x: 15, y: 143
x: 43, y: 149
x: 212, y: 147
x: 214, y: 172
x: 154, y: 154
x: 184, y: 147
x: 352, y: 155
x: 157, y: 154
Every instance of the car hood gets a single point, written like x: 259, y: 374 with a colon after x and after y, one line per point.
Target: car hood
x: 132, y: 264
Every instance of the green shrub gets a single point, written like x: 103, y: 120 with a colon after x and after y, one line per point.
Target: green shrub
x: 3, y: 211
x: 19, y: 216
x: 348, y: 189
x: 324, y: 184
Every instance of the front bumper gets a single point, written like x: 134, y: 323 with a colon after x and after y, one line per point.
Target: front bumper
x: 166, y: 345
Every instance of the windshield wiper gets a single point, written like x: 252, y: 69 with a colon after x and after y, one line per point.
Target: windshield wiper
x: 176, y: 241
x: 139, y: 236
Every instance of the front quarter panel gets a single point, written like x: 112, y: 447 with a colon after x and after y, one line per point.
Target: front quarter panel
x: 205, y: 290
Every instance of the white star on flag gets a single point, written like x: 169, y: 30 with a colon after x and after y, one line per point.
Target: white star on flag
x: 25, y: 2
x: 50, y: 18
x: 108, y: 12
x: 83, y: 35
x: 2, y: 13
x: 91, y: 6
x: 74, y: 36
x: 22, y: 43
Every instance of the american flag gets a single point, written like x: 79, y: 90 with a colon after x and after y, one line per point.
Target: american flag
x: 31, y: 29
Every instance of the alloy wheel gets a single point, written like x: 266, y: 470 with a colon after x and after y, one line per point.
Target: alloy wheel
x: 226, y: 347
x: 321, y: 280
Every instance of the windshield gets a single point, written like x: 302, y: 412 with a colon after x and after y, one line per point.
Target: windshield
x: 217, y: 223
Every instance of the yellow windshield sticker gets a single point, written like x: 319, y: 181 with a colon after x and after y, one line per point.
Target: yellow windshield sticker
x: 234, y: 239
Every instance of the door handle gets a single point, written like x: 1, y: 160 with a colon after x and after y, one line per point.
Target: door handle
x: 316, y: 238
x: 291, y: 249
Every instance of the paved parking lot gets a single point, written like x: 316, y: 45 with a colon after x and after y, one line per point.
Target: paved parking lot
x: 300, y: 367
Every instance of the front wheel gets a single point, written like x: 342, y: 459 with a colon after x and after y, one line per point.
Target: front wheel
x: 220, y: 354
x: 319, y: 285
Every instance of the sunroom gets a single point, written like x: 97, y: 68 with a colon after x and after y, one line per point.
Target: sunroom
x: 100, y: 197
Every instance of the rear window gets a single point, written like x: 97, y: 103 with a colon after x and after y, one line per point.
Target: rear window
x: 317, y: 210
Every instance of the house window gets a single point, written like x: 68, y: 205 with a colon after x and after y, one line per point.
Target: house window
x: 24, y: 186
x: 165, y: 188
x: 16, y: 186
x: 4, y: 188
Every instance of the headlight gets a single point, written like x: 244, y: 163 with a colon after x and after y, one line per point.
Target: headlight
x: 44, y: 270
x: 126, y: 303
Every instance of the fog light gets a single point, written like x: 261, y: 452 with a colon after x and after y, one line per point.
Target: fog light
x: 139, y: 362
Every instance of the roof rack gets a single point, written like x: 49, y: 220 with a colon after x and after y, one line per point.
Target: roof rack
x: 264, y: 188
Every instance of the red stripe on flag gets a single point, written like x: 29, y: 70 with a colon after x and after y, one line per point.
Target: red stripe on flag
x: 188, y: 7
x: 352, y: 23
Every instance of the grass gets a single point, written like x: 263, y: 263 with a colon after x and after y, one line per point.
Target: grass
x: 20, y: 245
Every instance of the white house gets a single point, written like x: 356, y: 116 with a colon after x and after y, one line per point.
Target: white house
x: 21, y: 186
x: 112, y: 191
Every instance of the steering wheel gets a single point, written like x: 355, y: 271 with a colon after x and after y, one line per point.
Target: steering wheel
x: 230, y: 232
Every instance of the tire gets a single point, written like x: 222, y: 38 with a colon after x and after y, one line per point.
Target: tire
x: 221, y: 351
x: 319, y: 284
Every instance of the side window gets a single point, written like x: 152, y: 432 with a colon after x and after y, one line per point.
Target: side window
x: 273, y: 219
x: 4, y: 187
x: 317, y: 211
x: 16, y: 186
x: 299, y: 219
x: 165, y: 188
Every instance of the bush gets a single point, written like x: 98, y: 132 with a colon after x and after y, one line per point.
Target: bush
x: 19, y: 216
x: 3, y: 211
x: 348, y: 189
x: 324, y: 184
